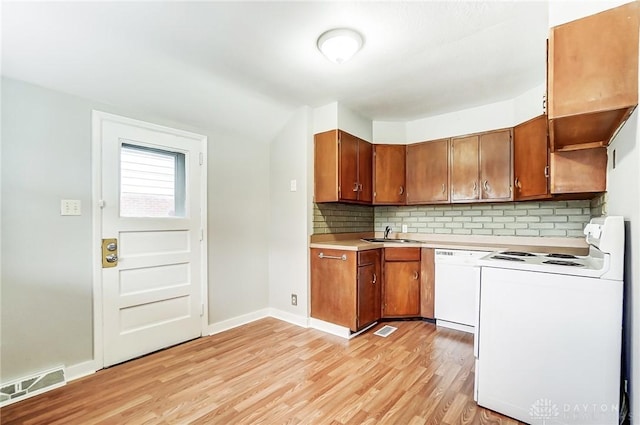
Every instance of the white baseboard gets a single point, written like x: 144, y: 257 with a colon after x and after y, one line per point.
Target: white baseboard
x: 456, y: 326
x: 80, y: 370
x: 234, y: 322
x: 330, y: 328
x: 285, y: 316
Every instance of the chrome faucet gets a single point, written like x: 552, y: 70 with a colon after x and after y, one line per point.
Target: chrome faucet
x: 386, y: 232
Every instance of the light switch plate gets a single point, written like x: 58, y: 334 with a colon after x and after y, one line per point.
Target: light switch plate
x: 70, y: 207
x: 294, y: 185
x: 404, y: 228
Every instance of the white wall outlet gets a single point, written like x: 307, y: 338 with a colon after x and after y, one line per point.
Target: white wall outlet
x: 404, y: 228
x: 294, y: 185
x: 70, y: 207
x: 294, y: 299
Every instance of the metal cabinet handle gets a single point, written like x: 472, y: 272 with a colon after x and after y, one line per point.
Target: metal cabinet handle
x: 443, y: 188
x: 111, y: 258
x: 475, y: 186
x: 375, y: 279
x: 546, y: 171
x: 343, y: 257
x: 401, y: 190
x: 415, y: 276
x: 360, y: 187
x: 485, y: 185
x: 355, y: 186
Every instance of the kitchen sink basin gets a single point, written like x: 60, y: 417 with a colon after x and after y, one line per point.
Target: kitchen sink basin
x: 390, y: 240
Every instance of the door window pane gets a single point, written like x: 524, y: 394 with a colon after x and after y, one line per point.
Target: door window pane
x: 152, y: 182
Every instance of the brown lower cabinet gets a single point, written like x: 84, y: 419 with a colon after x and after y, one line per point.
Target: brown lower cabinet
x: 427, y: 283
x: 346, y: 287
x: 401, y: 289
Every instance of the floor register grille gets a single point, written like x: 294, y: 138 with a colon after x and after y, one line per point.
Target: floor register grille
x: 385, y: 331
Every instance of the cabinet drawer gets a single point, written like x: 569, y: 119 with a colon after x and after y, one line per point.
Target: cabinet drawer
x: 333, y: 254
x: 402, y: 254
x: 371, y: 256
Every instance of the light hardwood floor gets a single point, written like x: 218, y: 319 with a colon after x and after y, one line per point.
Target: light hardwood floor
x: 272, y: 372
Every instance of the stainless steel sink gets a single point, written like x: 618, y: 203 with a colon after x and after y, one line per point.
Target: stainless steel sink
x: 383, y: 240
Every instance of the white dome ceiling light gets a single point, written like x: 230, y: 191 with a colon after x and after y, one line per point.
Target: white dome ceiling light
x: 340, y: 44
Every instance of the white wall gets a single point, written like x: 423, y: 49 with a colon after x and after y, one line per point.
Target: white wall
x: 325, y: 118
x: 529, y: 104
x: 623, y: 198
x: 46, y: 281
x: 46, y: 277
x: 238, y: 204
x: 354, y: 123
x: 391, y: 132
x: 508, y: 113
x: 482, y: 118
x: 289, y: 211
x: 335, y: 115
x: 562, y: 11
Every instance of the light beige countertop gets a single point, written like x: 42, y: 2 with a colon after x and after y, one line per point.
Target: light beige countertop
x: 354, y: 242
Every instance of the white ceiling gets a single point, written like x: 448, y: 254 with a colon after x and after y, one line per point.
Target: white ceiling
x: 249, y: 64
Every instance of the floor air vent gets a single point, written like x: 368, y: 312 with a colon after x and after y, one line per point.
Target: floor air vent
x: 31, y: 385
x: 385, y: 331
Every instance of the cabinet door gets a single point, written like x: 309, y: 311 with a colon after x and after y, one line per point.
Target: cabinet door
x: 495, y: 166
x: 325, y: 170
x: 369, y: 293
x: 464, y: 169
x: 530, y: 159
x: 365, y: 174
x: 427, y: 283
x: 349, y: 188
x: 592, y: 77
x: 333, y: 286
x: 401, y: 289
x: 428, y: 172
x: 389, y: 174
x: 593, y: 63
x: 579, y: 171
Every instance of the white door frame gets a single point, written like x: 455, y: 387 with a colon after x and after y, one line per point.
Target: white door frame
x: 97, y: 117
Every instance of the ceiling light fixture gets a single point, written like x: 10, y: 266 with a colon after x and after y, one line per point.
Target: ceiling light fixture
x: 340, y: 44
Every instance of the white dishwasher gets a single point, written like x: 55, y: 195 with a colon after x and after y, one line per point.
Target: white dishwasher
x: 457, y: 282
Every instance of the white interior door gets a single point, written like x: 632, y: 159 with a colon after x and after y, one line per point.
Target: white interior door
x: 152, y: 229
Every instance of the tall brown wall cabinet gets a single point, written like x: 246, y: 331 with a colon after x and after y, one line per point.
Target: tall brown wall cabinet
x: 592, y: 77
x: 343, y: 168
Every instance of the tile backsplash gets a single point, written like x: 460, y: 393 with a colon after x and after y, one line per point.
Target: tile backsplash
x: 543, y: 218
x: 548, y: 218
x: 342, y: 218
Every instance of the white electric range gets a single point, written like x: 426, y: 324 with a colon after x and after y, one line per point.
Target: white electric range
x: 548, y: 340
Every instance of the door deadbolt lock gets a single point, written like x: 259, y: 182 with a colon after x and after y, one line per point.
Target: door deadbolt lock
x: 109, y: 253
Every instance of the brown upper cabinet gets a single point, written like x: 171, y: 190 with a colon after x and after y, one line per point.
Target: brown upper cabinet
x: 579, y: 171
x: 464, y: 169
x: 428, y: 172
x: 531, y: 159
x: 480, y: 167
x: 592, y: 77
x: 343, y: 168
x: 389, y: 174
